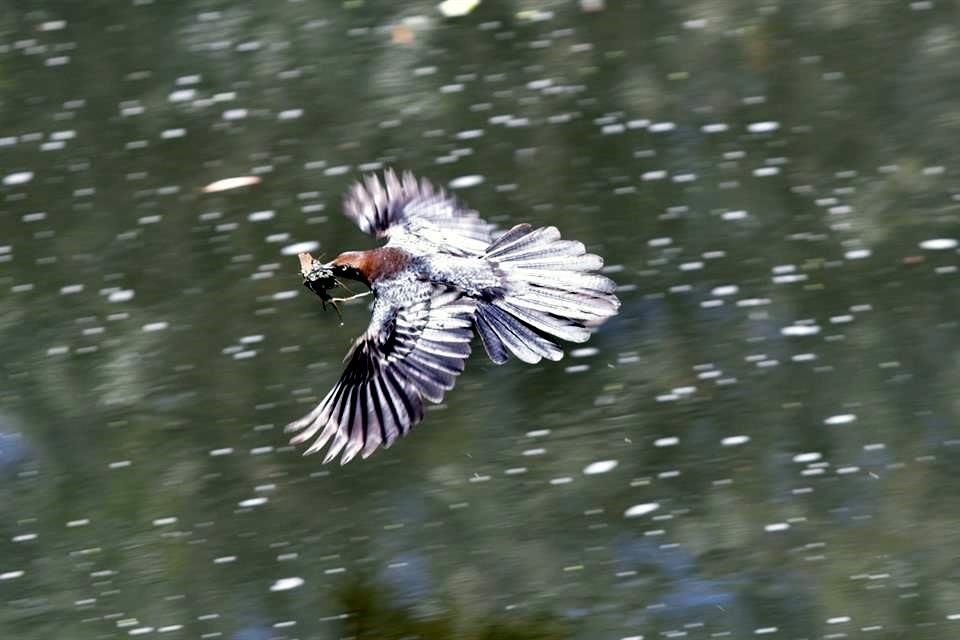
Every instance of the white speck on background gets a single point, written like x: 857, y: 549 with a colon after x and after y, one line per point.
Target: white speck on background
x: 300, y: 247
x: 286, y: 584
x: 939, y: 244
x: 464, y: 182
x: 19, y: 177
x: 843, y: 418
x: 120, y: 296
x: 600, y: 466
x: 725, y: 290
x: 763, y: 127
x: 641, y: 509
x: 260, y: 216
x: 231, y: 183
x: 800, y: 330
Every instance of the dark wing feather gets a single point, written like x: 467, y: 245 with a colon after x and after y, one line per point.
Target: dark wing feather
x: 407, y: 355
x: 409, y: 211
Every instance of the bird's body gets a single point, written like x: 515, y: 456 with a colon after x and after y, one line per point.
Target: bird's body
x: 443, y: 274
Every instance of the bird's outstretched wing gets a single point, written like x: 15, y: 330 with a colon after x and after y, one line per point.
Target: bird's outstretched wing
x: 409, y: 211
x: 406, y: 355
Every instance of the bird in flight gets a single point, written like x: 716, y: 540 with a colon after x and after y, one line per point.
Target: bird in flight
x: 443, y: 274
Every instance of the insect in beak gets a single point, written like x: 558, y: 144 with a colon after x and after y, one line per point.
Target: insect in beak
x: 318, y: 277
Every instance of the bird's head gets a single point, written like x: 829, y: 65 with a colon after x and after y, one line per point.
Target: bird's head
x: 321, y: 277
x: 351, y: 264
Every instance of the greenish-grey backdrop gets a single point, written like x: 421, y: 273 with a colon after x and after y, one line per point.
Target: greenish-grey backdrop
x: 764, y: 443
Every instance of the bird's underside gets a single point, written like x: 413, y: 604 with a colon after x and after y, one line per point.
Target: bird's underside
x: 443, y: 274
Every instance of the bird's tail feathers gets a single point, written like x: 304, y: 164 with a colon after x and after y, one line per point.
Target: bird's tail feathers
x: 503, y: 334
x: 550, y: 290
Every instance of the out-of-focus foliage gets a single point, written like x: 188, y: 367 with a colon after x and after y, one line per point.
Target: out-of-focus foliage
x: 370, y: 616
x: 773, y: 183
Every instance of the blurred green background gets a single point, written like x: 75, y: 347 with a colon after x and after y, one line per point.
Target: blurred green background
x: 764, y: 443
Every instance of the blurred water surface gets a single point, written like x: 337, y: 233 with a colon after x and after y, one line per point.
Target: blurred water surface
x: 764, y: 443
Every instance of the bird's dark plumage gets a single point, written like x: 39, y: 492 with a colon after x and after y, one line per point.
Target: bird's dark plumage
x: 443, y: 273
x: 413, y: 354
